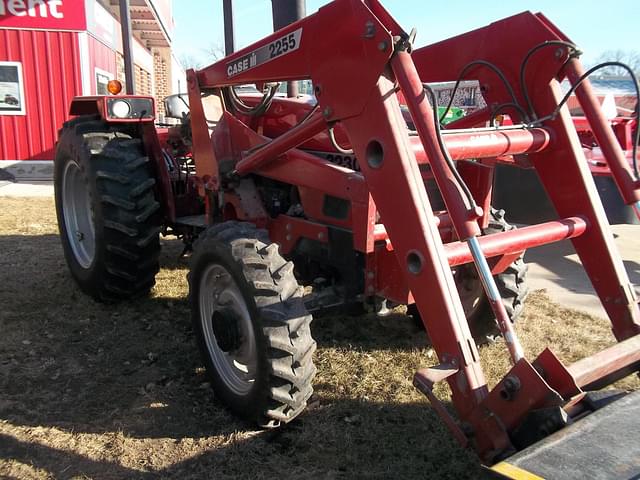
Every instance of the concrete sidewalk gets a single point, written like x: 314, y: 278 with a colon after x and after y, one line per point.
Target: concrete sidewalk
x: 557, y: 269
x: 554, y: 267
x: 20, y: 189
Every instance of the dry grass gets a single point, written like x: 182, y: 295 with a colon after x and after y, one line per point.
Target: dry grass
x: 95, y: 391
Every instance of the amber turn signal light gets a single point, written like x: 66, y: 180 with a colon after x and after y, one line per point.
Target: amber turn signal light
x: 114, y: 87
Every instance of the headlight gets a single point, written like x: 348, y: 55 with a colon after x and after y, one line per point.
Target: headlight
x: 121, y: 109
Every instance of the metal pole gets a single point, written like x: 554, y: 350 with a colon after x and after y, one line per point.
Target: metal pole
x: 229, y: 35
x: 495, y: 300
x: 125, y: 23
x: 286, y: 12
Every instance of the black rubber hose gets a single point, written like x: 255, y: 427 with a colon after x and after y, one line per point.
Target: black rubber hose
x: 525, y: 61
x: 583, y: 77
x: 466, y: 68
x: 445, y: 152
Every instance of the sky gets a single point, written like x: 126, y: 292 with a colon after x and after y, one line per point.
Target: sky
x: 594, y: 25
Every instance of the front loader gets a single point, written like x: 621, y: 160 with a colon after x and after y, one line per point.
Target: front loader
x: 342, y: 194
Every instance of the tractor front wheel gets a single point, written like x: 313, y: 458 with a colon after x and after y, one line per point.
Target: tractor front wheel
x: 251, y: 324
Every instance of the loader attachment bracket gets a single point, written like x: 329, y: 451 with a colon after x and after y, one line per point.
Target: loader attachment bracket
x: 506, y: 407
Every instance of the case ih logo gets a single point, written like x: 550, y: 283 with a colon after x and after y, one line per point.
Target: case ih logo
x: 43, y: 14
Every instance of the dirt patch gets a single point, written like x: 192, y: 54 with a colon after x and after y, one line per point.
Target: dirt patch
x: 95, y: 391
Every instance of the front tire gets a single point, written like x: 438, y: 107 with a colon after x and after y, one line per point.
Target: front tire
x: 107, y: 212
x: 251, y: 324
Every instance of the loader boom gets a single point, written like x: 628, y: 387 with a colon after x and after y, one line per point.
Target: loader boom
x: 356, y: 71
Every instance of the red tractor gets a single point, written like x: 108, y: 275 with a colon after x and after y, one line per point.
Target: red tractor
x: 337, y: 193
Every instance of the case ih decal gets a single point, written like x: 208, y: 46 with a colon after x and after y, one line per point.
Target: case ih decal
x: 275, y: 49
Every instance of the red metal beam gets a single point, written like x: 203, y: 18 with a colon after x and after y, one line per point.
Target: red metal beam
x: 569, y: 184
x: 379, y: 139
x: 607, y: 366
x: 518, y: 240
x: 261, y: 157
x: 507, y: 243
x: 495, y: 143
x: 440, y: 220
x: 462, y: 214
x: 207, y: 165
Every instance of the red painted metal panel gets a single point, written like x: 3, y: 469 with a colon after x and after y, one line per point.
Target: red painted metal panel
x: 51, y: 76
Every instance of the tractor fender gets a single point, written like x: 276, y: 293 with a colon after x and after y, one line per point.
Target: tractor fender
x: 86, y: 106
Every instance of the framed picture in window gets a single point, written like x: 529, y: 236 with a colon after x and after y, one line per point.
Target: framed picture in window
x: 12, y: 101
x: 102, y: 80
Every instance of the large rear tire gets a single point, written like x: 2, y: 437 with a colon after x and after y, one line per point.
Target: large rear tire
x: 108, y: 215
x: 251, y: 324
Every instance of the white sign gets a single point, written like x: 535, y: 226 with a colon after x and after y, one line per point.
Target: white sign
x: 11, y: 89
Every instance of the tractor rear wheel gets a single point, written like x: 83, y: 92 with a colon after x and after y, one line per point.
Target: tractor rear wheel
x: 251, y: 324
x: 107, y: 211
x: 511, y: 284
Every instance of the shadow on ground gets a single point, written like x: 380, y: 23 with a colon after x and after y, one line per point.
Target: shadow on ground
x: 124, y: 385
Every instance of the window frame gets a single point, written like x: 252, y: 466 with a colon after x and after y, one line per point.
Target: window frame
x: 23, y: 101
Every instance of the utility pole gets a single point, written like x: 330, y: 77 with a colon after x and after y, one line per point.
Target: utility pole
x: 125, y: 23
x: 229, y: 35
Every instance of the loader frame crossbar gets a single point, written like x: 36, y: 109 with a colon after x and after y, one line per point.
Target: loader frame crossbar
x: 358, y: 58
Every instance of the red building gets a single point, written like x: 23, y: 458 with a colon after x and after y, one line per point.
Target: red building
x: 53, y: 50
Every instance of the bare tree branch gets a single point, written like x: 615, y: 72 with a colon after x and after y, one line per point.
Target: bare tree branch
x: 630, y: 57
x: 190, y: 61
x: 215, y: 51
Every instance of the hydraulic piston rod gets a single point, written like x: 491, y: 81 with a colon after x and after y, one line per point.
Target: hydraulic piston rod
x: 495, y: 300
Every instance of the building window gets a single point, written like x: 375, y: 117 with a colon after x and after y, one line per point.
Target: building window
x: 102, y: 79
x: 12, y: 101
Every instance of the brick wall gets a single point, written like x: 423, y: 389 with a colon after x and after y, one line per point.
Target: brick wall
x: 161, y: 78
x: 143, y: 81
x: 144, y: 85
x: 120, y: 68
x: 156, y: 84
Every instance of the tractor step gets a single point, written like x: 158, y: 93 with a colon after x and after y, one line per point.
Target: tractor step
x: 602, y: 445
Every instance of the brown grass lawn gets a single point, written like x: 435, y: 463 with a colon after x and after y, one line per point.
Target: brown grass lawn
x: 95, y: 391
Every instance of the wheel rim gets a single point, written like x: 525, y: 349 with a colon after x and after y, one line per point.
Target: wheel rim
x: 218, y: 291
x: 78, y: 215
x: 470, y: 290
